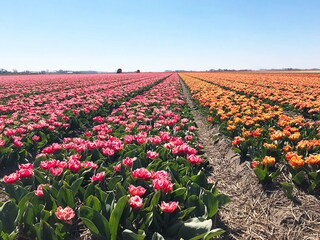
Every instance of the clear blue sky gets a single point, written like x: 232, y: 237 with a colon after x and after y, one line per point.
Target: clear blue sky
x: 155, y: 35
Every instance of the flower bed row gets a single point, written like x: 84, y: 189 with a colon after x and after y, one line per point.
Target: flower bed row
x: 296, y: 92
x: 274, y: 142
x: 137, y: 174
x: 20, y: 87
x: 41, y: 119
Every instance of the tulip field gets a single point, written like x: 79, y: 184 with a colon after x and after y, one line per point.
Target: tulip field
x: 109, y: 156
x: 118, y: 156
x: 273, y: 120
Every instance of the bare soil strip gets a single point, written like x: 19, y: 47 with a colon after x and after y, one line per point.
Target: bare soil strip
x: 255, y: 211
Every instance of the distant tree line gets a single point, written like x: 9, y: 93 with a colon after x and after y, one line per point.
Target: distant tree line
x: 14, y: 71
x: 227, y: 70
x: 61, y: 71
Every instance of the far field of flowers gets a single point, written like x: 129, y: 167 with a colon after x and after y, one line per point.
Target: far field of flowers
x: 115, y: 154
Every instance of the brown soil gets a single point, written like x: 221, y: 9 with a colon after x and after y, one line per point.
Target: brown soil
x: 255, y: 211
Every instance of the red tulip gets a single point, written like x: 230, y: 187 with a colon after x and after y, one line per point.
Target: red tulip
x: 13, y: 177
x: 97, y: 177
x: 152, y: 155
x: 127, y: 162
x: 39, y: 192
x: 65, y: 214
x: 136, y: 191
x: 35, y: 138
x: 162, y: 183
x: 141, y: 173
x: 169, y: 207
x: 193, y: 159
x: 135, y: 202
x: 25, y: 173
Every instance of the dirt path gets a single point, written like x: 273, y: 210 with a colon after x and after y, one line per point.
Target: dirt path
x: 255, y: 212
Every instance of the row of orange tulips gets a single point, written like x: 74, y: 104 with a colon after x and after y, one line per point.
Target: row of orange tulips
x: 300, y: 92
x: 274, y: 142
